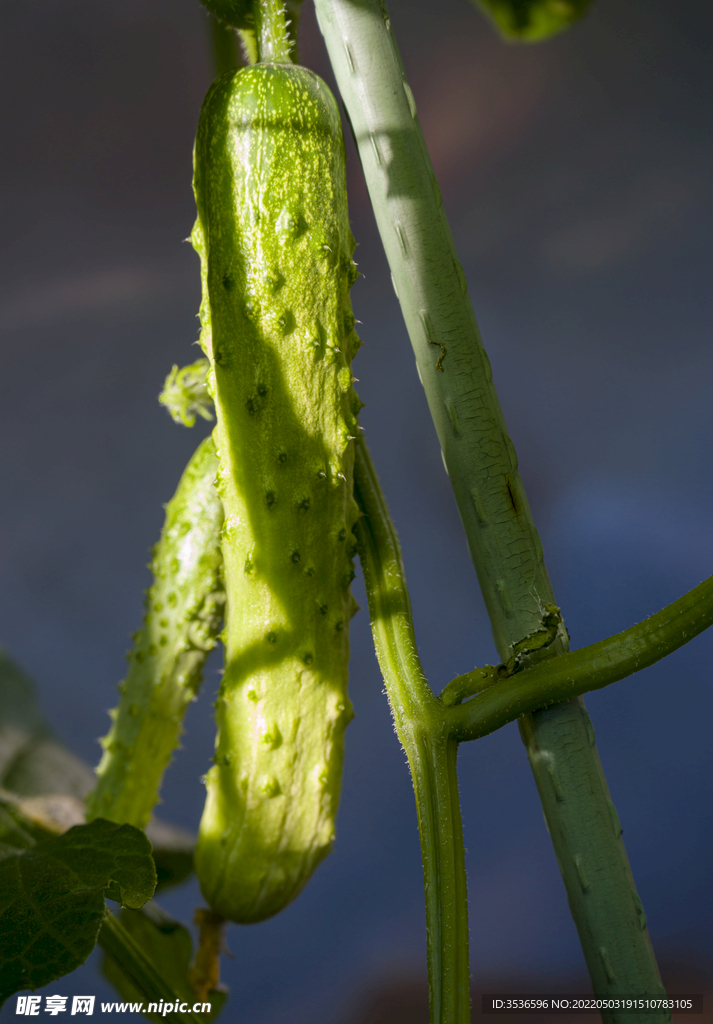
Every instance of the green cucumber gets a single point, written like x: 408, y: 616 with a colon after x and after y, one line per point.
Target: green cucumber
x: 276, y: 252
x: 184, y: 612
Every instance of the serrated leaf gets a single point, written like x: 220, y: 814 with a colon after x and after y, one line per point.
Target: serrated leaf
x: 531, y: 21
x: 52, y: 897
x: 103, y: 850
x: 169, y: 946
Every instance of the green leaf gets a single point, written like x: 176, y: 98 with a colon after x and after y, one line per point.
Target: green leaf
x: 52, y: 895
x: 529, y: 21
x: 104, y: 854
x: 169, y: 946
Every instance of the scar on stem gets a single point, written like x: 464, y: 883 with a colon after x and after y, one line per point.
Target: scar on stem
x: 439, y: 364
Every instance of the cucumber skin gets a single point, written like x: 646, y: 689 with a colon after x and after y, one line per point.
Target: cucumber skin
x: 275, y: 246
x: 184, y: 614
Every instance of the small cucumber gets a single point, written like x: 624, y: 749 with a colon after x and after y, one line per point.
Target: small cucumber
x: 184, y: 612
x: 275, y: 245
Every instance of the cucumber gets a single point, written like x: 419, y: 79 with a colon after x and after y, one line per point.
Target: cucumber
x: 184, y: 613
x: 277, y: 325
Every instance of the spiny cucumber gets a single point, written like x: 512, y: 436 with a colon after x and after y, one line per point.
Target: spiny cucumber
x: 184, y: 611
x: 275, y: 246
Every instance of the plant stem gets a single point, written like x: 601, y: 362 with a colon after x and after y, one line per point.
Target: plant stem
x: 589, y: 668
x: 122, y: 947
x: 431, y: 287
x: 432, y: 760
x: 389, y: 602
x: 430, y: 750
x: 273, y: 40
x: 482, y: 465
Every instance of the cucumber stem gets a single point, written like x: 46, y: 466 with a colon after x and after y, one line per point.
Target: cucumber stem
x: 274, y: 45
x: 482, y: 465
x: 432, y: 760
x: 431, y: 751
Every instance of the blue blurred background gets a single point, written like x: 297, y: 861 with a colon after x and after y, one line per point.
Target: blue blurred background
x: 576, y: 176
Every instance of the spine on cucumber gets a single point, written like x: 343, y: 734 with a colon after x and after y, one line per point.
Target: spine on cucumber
x: 184, y: 612
x: 276, y: 254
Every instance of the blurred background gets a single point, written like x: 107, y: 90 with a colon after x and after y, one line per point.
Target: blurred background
x: 576, y: 175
